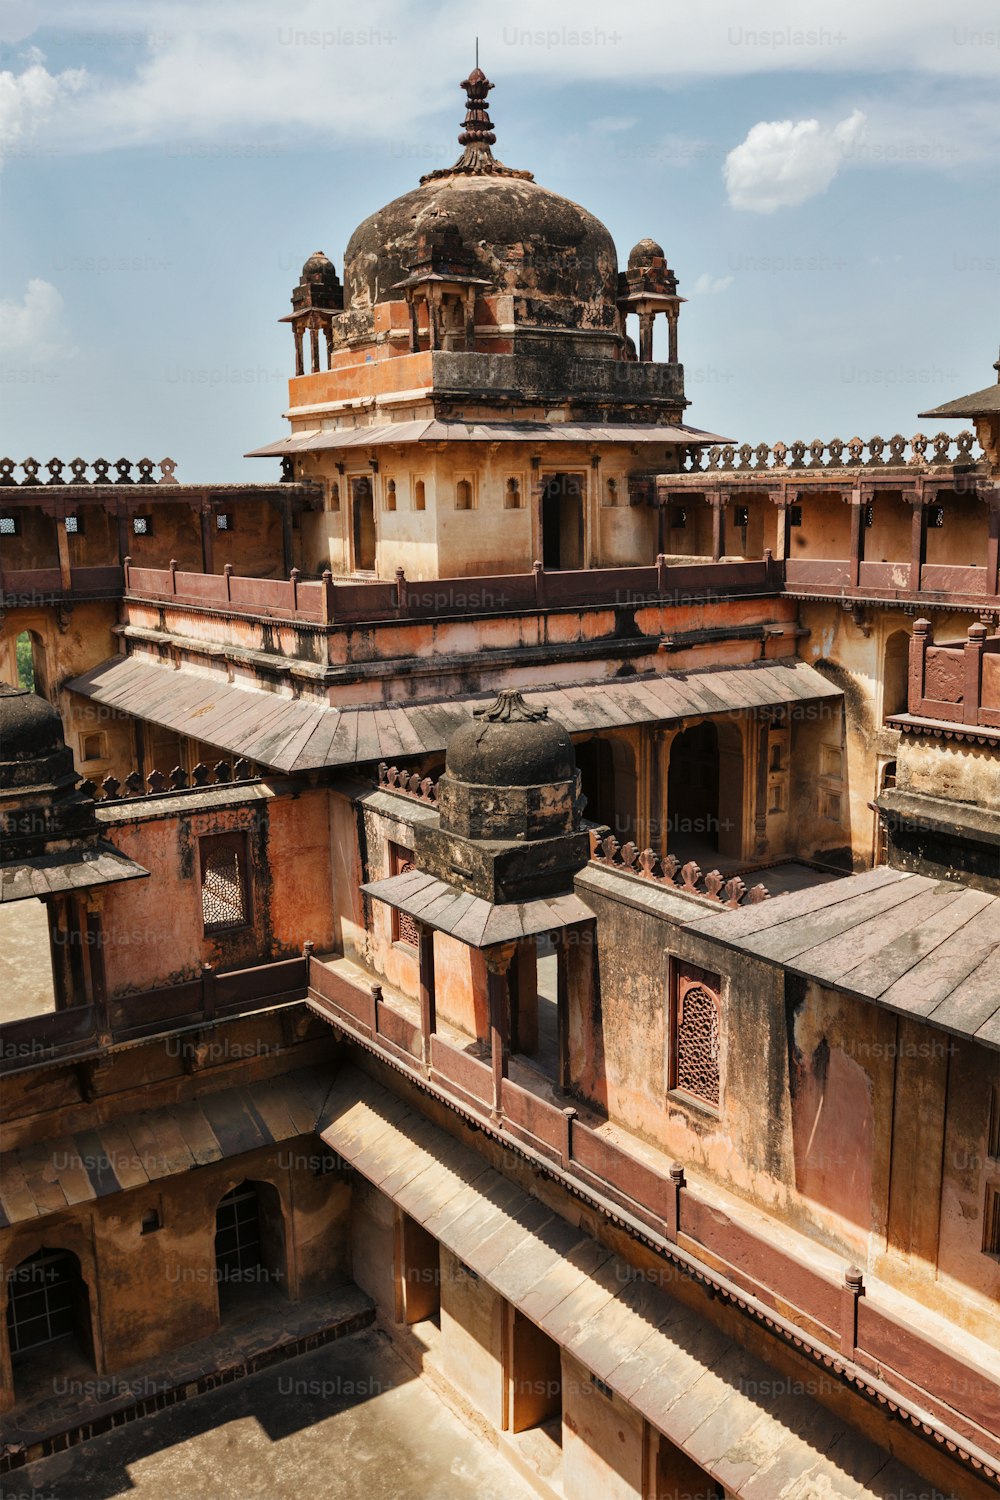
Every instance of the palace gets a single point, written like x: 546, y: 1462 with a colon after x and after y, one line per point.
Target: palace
x: 527, y: 879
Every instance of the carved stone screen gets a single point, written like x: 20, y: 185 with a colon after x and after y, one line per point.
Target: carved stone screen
x: 694, y: 1034
x: 405, y: 929
x: 223, y: 882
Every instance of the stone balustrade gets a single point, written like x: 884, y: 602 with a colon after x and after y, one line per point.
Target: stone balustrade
x: 665, y: 869
x: 111, y: 789
x: 76, y: 471
x: 918, y: 452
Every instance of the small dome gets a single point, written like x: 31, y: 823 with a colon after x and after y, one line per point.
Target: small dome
x: 511, y: 745
x: 317, y: 262
x: 33, y: 749
x: 643, y: 253
x: 30, y: 728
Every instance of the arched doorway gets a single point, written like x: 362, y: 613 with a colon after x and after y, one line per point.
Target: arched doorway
x: 608, y: 781
x: 705, y: 794
x: 562, y: 522
x: 895, y: 674
x: 48, y: 1317
x: 363, y: 501
x: 31, y: 673
x: 693, y: 792
x: 249, y: 1246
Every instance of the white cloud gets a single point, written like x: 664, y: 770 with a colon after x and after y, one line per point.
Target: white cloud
x: 29, y: 101
x: 272, y: 71
x: 32, y: 329
x: 710, y: 286
x: 783, y: 162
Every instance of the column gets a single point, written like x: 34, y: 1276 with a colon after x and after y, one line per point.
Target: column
x: 498, y: 999
x: 298, y: 333
x: 918, y: 539
x: 62, y: 547
x: 314, y: 345
x: 207, y: 538
x: 719, y: 503
x: 645, y: 337
x: 857, y: 536
x: 428, y: 1011
x: 563, y: 940
x: 993, y: 551
x: 672, y: 313
x: 287, y: 561
x: 921, y: 638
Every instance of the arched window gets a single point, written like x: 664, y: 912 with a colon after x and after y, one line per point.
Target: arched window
x: 390, y: 495
x: 512, y: 494
x: 611, y: 492
x: 463, y: 494
x: 335, y: 496
x: 419, y: 496
x: 249, y: 1244
x: 47, y: 1302
x: 694, y: 1034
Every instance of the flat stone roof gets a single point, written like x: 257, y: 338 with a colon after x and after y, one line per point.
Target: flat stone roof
x: 297, y: 734
x: 927, y: 949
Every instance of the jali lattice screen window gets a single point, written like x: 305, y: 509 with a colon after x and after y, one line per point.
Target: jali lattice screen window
x: 224, y: 889
x: 694, y: 1033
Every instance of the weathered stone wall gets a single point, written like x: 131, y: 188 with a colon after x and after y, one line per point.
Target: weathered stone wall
x: 154, y: 931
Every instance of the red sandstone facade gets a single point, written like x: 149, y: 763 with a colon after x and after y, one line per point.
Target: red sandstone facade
x: 656, y: 1113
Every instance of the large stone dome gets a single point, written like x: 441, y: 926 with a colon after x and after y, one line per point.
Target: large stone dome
x: 558, y: 260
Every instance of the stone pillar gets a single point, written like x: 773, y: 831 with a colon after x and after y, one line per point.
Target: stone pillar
x: 918, y: 540
x: 857, y: 536
x: 498, y: 997
x: 563, y: 951
x: 993, y: 550
x: 428, y: 1009
x: 718, y: 526
x: 646, y: 337
x: 287, y: 560
x: 207, y: 537
x: 314, y: 346
x: 672, y: 314
x: 62, y: 547
x: 972, y: 674
x: 298, y: 333
x: 922, y: 637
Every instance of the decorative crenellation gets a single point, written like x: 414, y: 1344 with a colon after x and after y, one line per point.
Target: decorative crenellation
x: 56, y: 470
x: 411, y: 783
x: 665, y: 869
x: 836, y: 454
x: 178, y: 780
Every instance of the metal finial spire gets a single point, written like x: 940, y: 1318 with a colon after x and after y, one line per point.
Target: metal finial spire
x: 476, y: 135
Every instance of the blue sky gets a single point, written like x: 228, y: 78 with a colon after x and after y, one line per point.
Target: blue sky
x: 824, y: 181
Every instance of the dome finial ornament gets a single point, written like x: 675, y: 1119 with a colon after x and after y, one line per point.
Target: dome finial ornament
x: 508, y: 707
x: 476, y: 136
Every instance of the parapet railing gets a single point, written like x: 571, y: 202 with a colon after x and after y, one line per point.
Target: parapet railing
x: 842, y: 1325
x: 957, y: 682
x: 946, y: 450
x: 327, y: 601
x: 158, y: 783
x: 78, y: 468
x: 664, y: 869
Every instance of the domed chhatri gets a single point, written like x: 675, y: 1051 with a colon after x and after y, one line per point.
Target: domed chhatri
x: 33, y: 749
x: 510, y: 808
x: 510, y: 744
x: 39, y: 801
x: 557, y: 259
x: 510, y: 773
